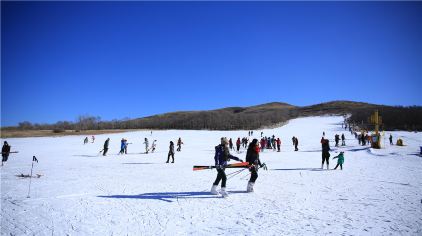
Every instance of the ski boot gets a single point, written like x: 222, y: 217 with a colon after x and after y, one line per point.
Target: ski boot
x: 223, y: 192
x: 214, y: 190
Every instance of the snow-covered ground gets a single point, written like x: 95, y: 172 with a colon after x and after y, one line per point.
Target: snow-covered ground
x: 379, y: 192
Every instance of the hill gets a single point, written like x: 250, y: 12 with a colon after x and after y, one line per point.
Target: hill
x: 245, y: 118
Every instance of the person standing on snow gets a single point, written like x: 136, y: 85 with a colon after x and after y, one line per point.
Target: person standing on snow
x: 122, y: 146
x: 296, y: 144
x: 231, y: 144
x: 252, y: 156
x: 86, y: 140
x: 179, y: 144
x: 171, y: 152
x: 93, y: 138
x: 278, y: 144
x: 325, y: 152
x: 153, y: 145
x: 343, y: 140
x: 146, y: 145
x: 105, y: 149
x: 5, y: 151
x: 222, y: 157
x: 238, y: 145
x: 391, y: 139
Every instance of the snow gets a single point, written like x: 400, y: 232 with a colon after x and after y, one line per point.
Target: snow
x: 82, y: 193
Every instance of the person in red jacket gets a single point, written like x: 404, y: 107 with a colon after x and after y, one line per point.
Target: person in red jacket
x: 238, y: 144
x: 278, y: 144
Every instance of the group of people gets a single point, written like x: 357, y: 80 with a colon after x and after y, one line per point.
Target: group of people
x: 337, y: 140
x: 222, y: 157
x: 270, y: 143
x: 92, y: 139
x: 325, y: 146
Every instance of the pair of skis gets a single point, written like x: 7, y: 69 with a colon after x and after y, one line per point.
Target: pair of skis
x: 235, y: 165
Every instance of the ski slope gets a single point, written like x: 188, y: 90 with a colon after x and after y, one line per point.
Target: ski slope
x: 379, y: 192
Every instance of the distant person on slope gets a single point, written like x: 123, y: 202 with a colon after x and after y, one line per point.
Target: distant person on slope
x: 5, y: 151
x: 231, y: 144
x: 325, y: 152
x: 222, y: 157
x: 343, y: 140
x: 296, y: 144
x: 171, y: 152
x: 278, y: 144
x: 106, y: 146
x: 153, y: 145
x: 238, y: 145
x: 86, y: 140
x: 146, y: 145
x: 93, y: 138
x: 252, y: 156
x: 179, y: 144
x: 391, y: 139
x: 122, y: 146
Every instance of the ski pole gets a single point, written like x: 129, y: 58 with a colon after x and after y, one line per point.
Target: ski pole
x: 236, y: 173
x: 30, y: 177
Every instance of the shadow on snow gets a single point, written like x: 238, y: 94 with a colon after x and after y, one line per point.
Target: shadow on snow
x: 169, y: 196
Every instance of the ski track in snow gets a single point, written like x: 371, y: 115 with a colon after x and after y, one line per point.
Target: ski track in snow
x: 82, y: 193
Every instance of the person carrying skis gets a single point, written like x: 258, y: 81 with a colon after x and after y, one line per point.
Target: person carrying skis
x: 222, y: 157
x: 146, y: 145
x: 179, y: 144
x: 153, y: 145
x: 5, y: 151
x: 252, y: 156
x: 340, y: 160
x: 106, y: 146
x: 171, y: 152
x: 325, y: 152
x: 343, y: 140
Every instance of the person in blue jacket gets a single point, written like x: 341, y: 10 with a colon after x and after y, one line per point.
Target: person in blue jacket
x: 222, y: 157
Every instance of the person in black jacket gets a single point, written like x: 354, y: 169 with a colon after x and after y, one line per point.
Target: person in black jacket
x: 105, y: 149
x: 325, y: 152
x: 5, y: 151
x: 222, y: 157
x: 252, y: 156
x: 171, y: 152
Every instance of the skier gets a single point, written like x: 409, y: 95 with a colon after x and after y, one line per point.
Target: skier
x: 5, y: 151
x: 146, y: 145
x: 93, y: 138
x: 238, y: 145
x: 179, y: 144
x: 106, y: 146
x: 252, y: 156
x: 325, y: 152
x: 222, y: 156
x: 343, y: 140
x: 231, y: 144
x: 278, y: 144
x: 86, y: 140
x: 391, y: 139
x: 153, y: 145
x: 340, y: 160
x: 171, y: 152
x: 296, y: 144
x: 122, y: 146
x: 126, y: 144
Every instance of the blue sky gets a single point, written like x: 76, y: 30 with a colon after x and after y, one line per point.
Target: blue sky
x: 134, y: 59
